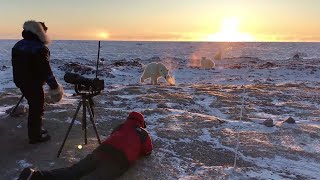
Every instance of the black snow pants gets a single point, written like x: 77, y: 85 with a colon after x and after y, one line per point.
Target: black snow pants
x: 35, y: 96
x: 90, y: 168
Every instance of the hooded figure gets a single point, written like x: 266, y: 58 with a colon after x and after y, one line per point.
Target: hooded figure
x: 31, y: 70
x: 126, y: 144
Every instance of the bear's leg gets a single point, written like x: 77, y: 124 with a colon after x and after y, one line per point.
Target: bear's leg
x: 142, y: 80
x: 143, y: 77
x: 154, y: 80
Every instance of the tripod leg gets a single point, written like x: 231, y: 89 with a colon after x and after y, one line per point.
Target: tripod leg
x: 84, y: 120
x: 93, y: 124
x: 15, y: 108
x: 71, y: 124
x: 91, y: 104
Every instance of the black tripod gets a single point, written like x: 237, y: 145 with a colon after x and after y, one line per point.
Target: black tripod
x: 16, y: 107
x: 87, y: 103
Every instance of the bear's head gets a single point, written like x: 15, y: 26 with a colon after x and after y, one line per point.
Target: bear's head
x: 163, y: 70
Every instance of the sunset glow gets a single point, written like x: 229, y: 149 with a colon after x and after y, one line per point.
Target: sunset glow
x: 229, y: 32
x: 167, y: 20
x: 103, y: 35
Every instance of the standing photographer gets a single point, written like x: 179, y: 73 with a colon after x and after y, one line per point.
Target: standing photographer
x: 31, y: 70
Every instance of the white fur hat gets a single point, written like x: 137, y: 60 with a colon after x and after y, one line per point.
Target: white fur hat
x: 37, y: 28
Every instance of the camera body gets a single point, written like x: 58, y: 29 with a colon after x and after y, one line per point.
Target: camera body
x: 83, y: 83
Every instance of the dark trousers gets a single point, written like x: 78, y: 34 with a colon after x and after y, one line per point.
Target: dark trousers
x: 90, y: 167
x: 35, y: 96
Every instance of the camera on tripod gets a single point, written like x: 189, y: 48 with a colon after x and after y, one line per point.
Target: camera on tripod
x: 87, y: 88
x: 83, y: 83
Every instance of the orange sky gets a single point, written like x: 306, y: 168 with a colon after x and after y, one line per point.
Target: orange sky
x: 167, y: 20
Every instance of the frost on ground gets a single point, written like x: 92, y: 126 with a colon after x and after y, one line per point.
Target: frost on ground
x: 194, y: 125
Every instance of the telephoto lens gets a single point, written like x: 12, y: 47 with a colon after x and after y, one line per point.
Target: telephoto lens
x: 94, y: 84
x: 72, y: 78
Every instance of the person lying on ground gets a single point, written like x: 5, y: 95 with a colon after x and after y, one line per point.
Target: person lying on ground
x: 110, y: 160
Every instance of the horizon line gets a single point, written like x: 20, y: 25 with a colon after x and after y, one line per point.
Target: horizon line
x: 199, y: 41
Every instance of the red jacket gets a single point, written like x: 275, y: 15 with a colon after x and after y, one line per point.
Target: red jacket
x: 130, y: 138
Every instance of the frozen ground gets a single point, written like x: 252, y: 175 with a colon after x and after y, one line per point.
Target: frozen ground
x: 194, y: 124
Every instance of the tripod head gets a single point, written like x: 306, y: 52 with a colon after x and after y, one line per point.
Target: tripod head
x: 86, y: 86
x: 85, y: 91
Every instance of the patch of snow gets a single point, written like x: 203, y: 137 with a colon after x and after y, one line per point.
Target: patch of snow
x: 23, y: 163
x: 3, y: 109
x: 304, y: 167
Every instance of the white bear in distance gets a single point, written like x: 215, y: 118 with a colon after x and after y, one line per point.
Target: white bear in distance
x: 206, y: 63
x: 155, y: 71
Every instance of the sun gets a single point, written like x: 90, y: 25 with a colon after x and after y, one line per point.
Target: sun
x: 103, y: 35
x: 229, y: 32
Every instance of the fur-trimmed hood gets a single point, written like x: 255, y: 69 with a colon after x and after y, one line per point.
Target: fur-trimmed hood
x: 37, y: 29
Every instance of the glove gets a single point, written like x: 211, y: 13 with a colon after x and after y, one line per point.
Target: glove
x: 55, y: 95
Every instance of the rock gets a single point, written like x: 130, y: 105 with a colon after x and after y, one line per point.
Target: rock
x: 299, y: 55
x: 77, y: 68
x: 266, y: 65
x: 124, y: 62
x: 290, y: 120
x: 162, y: 105
x: 137, y: 59
x: 154, y: 59
x: 268, y: 123
x: 2, y: 68
x: 296, y: 56
x: 236, y: 66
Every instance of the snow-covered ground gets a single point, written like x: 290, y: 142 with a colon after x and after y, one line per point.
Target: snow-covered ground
x: 195, y: 124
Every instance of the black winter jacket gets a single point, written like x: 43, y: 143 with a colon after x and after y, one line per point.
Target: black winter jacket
x: 30, y: 62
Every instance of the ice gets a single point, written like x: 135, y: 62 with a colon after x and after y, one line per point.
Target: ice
x: 199, y: 117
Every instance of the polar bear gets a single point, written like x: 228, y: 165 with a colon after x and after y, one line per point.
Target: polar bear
x: 155, y: 71
x: 206, y: 63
